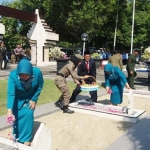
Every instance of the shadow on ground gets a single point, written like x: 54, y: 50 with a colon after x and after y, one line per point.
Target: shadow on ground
x: 136, y: 138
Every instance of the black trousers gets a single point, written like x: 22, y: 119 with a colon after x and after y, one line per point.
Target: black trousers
x: 1, y: 64
x: 19, y: 57
x: 77, y: 90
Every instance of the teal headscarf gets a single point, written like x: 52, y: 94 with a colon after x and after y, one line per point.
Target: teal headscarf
x: 25, y: 67
x: 113, y: 74
x: 108, y: 68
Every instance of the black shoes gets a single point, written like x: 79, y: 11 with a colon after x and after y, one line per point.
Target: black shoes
x: 64, y: 108
x: 59, y: 104
x: 67, y: 110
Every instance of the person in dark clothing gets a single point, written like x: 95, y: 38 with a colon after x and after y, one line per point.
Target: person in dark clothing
x: 3, y: 59
x: 131, y: 67
x: 19, y: 53
x: 87, y: 67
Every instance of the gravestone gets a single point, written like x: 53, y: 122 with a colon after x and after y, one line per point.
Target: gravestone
x: 42, y: 138
x: 41, y: 141
x: 127, y: 114
x: 140, y: 92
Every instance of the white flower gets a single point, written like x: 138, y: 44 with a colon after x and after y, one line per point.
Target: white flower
x: 55, y: 52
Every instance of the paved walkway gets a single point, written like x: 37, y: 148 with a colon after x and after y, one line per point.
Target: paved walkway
x: 136, y: 138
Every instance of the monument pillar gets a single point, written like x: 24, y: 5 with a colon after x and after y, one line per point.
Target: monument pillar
x: 33, y: 52
x: 46, y: 54
x: 2, y: 30
x: 44, y: 37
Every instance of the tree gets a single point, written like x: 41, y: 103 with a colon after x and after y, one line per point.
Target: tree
x: 74, y: 17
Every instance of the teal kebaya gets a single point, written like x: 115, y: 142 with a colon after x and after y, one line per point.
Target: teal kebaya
x: 115, y: 80
x: 21, y: 92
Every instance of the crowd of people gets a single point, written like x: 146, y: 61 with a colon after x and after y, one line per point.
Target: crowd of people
x: 25, y: 84
x: 105, y: 55
x: 13, y: 56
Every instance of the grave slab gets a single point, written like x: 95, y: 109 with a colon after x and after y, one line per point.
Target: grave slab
x: 107, y: 111
x: 6, y: 144
x: 140, y: 92
x: 41, y: 140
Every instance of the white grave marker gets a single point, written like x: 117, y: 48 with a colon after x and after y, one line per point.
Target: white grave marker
x: 41, y: 141
x: 130, y: 101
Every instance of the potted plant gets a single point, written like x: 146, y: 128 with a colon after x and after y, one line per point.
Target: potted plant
x: 146, y: 54
x: 96, y: 58
x: 146, y: 57
x: 58, y: 55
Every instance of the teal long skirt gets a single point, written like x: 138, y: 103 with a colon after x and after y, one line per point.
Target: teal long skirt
x: 117, y: 95
x: 23, y: 125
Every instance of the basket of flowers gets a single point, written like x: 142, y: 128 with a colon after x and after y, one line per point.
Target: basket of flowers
x: 89, y: 87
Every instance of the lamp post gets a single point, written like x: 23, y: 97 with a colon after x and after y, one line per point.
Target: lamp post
x: 116, y: 27
x: 84, y: 37
x: 132, y: 26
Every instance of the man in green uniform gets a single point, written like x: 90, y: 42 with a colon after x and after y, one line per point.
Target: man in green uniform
x: 130, y: 68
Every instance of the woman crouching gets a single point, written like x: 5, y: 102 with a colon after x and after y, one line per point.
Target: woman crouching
x: 115, y: 81
x: 24, y: 87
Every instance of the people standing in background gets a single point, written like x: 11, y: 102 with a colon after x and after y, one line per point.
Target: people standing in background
x: 104, y: 55
x: 24, y: 87
x: 4, y: 57
x: 18, y: 51
x: 116, y: 60
x: 123, y: 58
x: 87, y: 67
x: 109, y: 54
x: 126, y: 58
x: 101, y: 54
x: 1, y: 59
x: 131, y: 67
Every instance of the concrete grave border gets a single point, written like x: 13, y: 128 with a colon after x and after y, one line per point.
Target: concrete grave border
x: 85, y: 109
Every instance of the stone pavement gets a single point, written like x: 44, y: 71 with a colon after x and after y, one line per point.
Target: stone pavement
x: 136, y: 138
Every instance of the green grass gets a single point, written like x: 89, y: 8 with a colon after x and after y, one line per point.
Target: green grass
x: 50, y: 93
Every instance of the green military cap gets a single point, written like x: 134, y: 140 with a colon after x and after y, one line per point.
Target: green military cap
x: 79, y: 56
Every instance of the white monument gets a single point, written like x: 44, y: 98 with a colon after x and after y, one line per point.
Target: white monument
x: 130, y: 102
x: 41, y: 38
x: 2, y: 30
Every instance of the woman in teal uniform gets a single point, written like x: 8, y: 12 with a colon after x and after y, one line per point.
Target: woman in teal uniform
x: 115, y: 81
x: 24, y: 87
